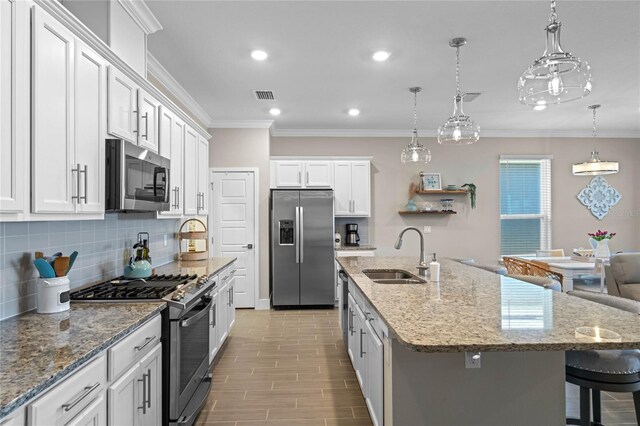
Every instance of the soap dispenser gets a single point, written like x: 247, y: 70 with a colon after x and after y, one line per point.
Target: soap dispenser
x: 434, y: 270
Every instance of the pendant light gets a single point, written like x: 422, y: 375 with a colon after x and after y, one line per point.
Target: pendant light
x: 459, y: 129
x: 556, y: 76
x: 595, y: 166
x: 415, y: 152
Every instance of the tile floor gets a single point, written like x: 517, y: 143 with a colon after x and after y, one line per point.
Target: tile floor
x: 285, y: 368
x: 291, y: 368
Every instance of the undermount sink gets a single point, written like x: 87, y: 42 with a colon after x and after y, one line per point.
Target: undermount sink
x: 392, y: 276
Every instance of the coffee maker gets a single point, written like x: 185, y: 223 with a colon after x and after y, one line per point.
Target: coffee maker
x: 352, y: 238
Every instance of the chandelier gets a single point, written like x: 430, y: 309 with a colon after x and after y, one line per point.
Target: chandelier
x: 595, y: 166
x: 415, y: 152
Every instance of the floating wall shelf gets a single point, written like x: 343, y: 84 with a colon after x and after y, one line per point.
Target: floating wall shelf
x: 427, y: 212
x: 443, y: 191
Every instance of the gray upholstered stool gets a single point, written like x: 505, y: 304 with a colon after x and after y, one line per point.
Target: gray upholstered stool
x: 613, y: 371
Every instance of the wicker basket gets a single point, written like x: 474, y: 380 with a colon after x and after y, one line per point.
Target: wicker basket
x: 193, y: 236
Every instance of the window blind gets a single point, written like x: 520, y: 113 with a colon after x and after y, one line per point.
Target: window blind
x: 525, y: 306
x: 525, y: 204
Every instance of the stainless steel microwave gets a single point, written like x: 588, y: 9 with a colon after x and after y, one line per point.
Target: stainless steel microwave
x: 136, y: 178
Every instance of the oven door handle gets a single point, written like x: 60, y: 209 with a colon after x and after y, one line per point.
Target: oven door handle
x: 205, y: 311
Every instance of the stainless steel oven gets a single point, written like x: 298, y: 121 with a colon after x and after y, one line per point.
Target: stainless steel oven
x: 136, y: 178
x: 189, y: 378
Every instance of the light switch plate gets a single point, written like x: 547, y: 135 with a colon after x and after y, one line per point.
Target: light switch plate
x: 472, y: 359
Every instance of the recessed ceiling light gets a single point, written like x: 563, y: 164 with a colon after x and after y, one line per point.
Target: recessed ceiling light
x: 274, y: 111
x: 381, y: 56
x: 259, y: 55
x: 540, y: 107
x: 354, y: 112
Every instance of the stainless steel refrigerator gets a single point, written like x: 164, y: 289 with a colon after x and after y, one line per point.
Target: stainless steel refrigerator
x: 302, y: 250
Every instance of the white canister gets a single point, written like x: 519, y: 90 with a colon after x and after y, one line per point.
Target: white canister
x: 53, y: 295
x: 337, y: 240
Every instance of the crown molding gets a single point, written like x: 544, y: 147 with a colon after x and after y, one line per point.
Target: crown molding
x: 140, y: 13
x: 427, y: 133
x: 241, y: 124
x: 156, y: 69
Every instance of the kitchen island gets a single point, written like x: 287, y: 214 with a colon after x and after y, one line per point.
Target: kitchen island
x: 431, y: 333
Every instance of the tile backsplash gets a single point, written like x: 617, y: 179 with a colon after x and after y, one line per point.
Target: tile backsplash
x: 103, y: 246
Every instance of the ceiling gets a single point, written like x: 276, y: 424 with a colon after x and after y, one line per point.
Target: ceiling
x: 320, y: 62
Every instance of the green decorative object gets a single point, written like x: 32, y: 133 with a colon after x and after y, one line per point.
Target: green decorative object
x: 472, y: 193
x: 411, y: 206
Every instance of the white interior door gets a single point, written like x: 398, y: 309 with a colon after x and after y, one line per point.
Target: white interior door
x: 233, y: 205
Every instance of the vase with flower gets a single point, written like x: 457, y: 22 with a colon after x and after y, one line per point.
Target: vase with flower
x: 600, y: 243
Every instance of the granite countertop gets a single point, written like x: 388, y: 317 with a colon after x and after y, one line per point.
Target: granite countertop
x: 356, y: 248
x: 476, y: 310
x: 39, y: 350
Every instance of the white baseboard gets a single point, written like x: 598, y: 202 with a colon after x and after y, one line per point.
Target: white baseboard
x: 263, y: 304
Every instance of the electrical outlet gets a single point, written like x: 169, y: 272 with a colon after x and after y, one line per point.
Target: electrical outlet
x: 166, y: 242
x: 427, y: 230
x: 472, y: 359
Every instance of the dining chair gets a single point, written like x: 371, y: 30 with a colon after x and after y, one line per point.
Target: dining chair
x: 611, y: 371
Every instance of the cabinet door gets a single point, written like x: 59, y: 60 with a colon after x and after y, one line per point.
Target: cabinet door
x: 288, y: 174
x: 222, y: 311
x: 352, y: 337
x: 231, y: 303
x: 94, y: 415
x: 361, y: 188
x: 123, y: 101
x: 123, y: 397
x: 375, y: 373
x: 342, y: 188
x: 11, y: 153
x: 203, y: 175
x: 90, y: 121
x: 318, y: 174
x: 191, y: 199
x: 150, y: 388
x: 54, y: 183
x: 171, y: 140
x: 213, y: 326
x: 148, y: 117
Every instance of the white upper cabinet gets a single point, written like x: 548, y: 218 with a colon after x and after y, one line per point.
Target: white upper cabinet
x: 69, y: 114
x: 191, y: 194
x: 352, y: 188
x: 123, y: 100
x: 149, y: 112
x: 171, y: 140
x: 318, y: 174
x: 12, y: 146
x: 90, y: 126
x: 203, y: 175
x: 54, y: 173
x: 286, y: 174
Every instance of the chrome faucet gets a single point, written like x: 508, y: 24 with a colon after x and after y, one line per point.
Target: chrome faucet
x: 422, y: 266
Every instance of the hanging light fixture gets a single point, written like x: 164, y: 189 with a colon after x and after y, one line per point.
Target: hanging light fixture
x: 459, y: 129
x: 415, y: 152
x: 595, y: 166
x: 556, y: 76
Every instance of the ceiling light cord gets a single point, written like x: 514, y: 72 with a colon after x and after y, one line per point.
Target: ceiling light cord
x: 415, y: 113
x: 553, y: 16
x: 594, y: 133
x: 457, y: 71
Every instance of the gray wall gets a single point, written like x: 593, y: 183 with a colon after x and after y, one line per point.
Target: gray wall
x: 476, y: 233
x: 103, y: 250
x: 248, y: 148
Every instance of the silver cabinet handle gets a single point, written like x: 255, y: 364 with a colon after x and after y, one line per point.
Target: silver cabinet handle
x: 299, y: 178
x: 144, y: 393
x: 353, y: 314
x: 307, y: 178
x: 86, y: 181
x: 146, y: 125
x: 136, y: 112
x: 149, y: 388
x: 177, y: 197
x: 233, y: 295
x: 77, y: 171
x: 362, y: 333
x: 301, y: 234
x: 213, y: 310
x: 146, y: 342
x: 175, y: 192
x: 87, y: 390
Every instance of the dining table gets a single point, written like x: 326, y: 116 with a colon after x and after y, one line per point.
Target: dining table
x: 571, y: 267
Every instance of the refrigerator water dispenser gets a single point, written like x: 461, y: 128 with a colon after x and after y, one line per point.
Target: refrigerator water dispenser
x: 286, y: 232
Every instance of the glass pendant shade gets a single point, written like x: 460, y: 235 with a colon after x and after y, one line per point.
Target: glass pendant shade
x: 459, y: 129
x: 595, y: 166
x: 415, y: 152
x: 556, y: 76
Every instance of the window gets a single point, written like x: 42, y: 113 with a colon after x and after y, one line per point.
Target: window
x: 525, y: 204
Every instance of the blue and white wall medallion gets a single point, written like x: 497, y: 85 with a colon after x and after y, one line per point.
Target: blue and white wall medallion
x: 599, y: 197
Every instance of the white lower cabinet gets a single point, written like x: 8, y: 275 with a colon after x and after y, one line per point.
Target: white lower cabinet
x: 223, y: 314
x: 94, y: 415
x: 231, y: 302
x: 366, y: 352
x: 213, y: 325
x: 223, y: 311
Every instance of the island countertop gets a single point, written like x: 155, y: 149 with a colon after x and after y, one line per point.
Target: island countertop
x: 475, y: 310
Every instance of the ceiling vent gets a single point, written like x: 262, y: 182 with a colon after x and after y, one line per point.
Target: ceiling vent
x: 264, y: 95
x: 471, y: 96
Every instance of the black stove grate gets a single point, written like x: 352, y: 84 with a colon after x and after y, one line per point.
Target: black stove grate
x: 153, y: 288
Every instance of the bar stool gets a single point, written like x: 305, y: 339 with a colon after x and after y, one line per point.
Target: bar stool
x: 613, y: 371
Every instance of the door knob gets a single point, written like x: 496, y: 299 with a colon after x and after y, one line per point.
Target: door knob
x: 248, y: 246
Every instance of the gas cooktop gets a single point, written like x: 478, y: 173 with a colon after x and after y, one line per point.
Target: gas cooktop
x: 156, y: 287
